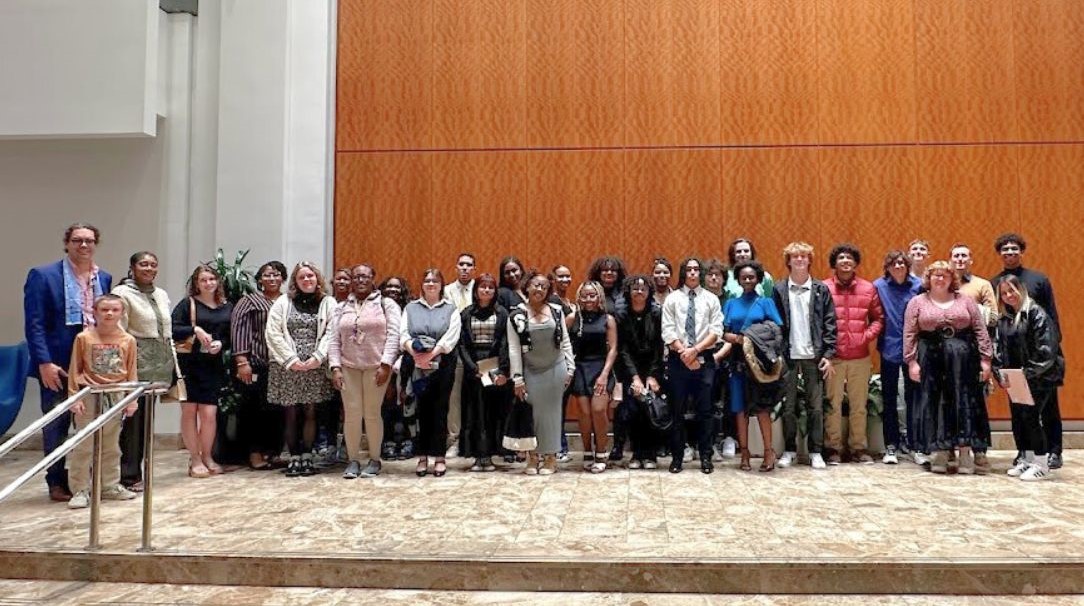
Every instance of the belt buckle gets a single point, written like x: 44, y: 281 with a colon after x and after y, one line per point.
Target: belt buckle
x: 947, y: 332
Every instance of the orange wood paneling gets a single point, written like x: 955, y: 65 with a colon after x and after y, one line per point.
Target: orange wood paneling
x: 772, y: 197
x: 966, y: 193
x: 575, y: 73
x: 769, y: 72
x: 576, y: 208
x: 1049, y: 36
x: 868, y: 195
x: 672, y: 72
x: 481, y: 201
x: 866, y: 57
x: 385, y: 73
x: 1051, y: 191
x: 384, y: 211
x: 672, y: 205
x: 480, y: 77
x: 965, y: 73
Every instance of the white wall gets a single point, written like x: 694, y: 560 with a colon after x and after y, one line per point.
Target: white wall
x: 77, y: 68
x: 240, y: 160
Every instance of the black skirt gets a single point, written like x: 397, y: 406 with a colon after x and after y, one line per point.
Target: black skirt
x: 204, y: 377
x: 948, y: 409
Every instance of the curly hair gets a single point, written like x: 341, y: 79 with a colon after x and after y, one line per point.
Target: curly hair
x: 757, y: 268
x: 1008, y: 237
x: 594, y: 273
x: 531, y: 274
x: 634, y: 279
x: 890, y: 259
x: 942, y: 266
x: 845, y: 247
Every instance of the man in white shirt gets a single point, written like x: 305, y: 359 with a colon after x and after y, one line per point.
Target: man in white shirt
x: 459, y: 293
x: 809, y: 327
x: 692, y: 321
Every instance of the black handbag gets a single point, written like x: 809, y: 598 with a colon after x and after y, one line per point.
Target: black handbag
x: 658, y: 411
x: 519, y: 428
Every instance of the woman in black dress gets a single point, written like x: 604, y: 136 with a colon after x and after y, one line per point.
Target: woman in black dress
x: 639, y: 345
x: 205, y: 315
x: 593, y: 333
x: 483, y: 336
x: 509, y: 295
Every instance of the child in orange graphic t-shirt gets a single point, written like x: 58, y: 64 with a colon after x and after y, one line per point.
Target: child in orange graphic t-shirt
x: 103, y: 354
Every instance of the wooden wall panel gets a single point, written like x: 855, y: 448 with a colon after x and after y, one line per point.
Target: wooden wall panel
x: 769, y: 72
x: 866, y: 57
x: 480, y: 199
x: 575, y: 207
x: 868, y: 195
x: 672, y: 205
x: 384, y: 211
x: 385, y: 72
x: 1049, y: 36
x: 672, y: 72
x: 966, y: 193
x: 1051, y: 191
x: 965, y: 71
x: 575, y: 73
x: 772, y: 197
x: 480, y: 80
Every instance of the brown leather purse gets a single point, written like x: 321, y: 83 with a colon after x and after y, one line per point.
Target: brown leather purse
x: 188, y: 344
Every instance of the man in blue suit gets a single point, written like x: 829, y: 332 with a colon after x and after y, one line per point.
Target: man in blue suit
x: 58, y: 303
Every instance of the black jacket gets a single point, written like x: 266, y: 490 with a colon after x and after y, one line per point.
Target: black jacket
x: 768, y: 341
x: 1031, y: 345
x: 639, y: 344
x: 498, y: 350
x: 822, y: 319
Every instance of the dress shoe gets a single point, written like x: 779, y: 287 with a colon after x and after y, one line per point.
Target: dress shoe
x: 59, y: 494
x: 675, y: 467
x: 706, y: 466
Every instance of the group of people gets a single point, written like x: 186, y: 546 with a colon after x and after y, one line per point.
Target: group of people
x: 360, y: 358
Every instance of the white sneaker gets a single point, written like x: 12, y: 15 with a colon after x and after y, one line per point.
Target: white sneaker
x: 730, y: 448
x: 117, y: 492
x: 1034, y: 473
x: 716, y: 456
x: 649, y: 464
x: 79, y: 500
x: 635, y: 464
x: 817, y: 461
x: 1017, y: 470
x: 688, y: 455
x: 890, y: 457
x: 787, y: 459
x: 920, y: 458
x: 453, y: 451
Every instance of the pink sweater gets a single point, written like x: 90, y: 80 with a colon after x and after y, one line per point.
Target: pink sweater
x: 364, y: 334
x: 924, y: 315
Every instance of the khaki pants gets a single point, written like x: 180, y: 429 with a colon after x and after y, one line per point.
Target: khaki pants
x: 852, y: 376
x: 361, y: 402
x: 80, y: 459
x: 455, y: 406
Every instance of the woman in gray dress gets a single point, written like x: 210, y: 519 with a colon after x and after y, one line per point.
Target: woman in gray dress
x: 542, y: 365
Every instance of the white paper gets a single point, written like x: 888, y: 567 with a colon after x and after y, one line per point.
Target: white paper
x: 1019, y: 392
x: 487, y: 367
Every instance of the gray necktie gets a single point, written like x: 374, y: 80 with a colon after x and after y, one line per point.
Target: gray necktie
x: 690, y: 320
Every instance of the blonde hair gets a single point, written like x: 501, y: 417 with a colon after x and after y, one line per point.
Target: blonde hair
x: 321, y: 288
x: 598, y: 289
x: 797, y: 248
x: 1021, y: 291
x: 937, y: 266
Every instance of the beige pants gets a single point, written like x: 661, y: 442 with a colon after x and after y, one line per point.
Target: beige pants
x: 852, y: 378
x: 80, y: 459
x: 455, y: 405
x: 361, y: 402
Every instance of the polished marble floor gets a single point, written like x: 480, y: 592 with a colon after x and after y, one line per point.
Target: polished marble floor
x: 852, y: 511
x: 72, y: 593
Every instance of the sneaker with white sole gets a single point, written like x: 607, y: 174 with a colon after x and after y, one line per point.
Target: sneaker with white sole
x: 117, y: 492
x: 1035, y: 473
x: 787, y: 459
x: 649, y: 464
x: 563, y: 457
x: 730, y: 448
x: 890, y: 457
x: 79, y: 500
x: 353, y: 470
x: 453, y: 451
x: 816, y: 461
x: 635, y: 464
x: 1018, y: 469
x: 920, y: 458
x: 688, y: 456
x: 716, y: 456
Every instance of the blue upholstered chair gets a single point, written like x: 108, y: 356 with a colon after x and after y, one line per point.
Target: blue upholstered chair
x: 14, y: 364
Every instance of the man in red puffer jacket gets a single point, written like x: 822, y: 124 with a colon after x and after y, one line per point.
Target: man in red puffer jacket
x: 860, y: 319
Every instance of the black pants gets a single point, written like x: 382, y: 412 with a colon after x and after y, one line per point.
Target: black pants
x: 641, y: 432
x: 1028, y: 429
x: 1052, y: 423
x: 433, y: 411
x: 694, y: 385
x: 131, y: 446
x: 260, y: 423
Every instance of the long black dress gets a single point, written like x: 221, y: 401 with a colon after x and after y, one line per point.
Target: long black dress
x: 484, y: 408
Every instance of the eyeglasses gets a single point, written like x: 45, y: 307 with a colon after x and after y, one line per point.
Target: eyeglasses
x: 430, y: 281
x: 363, y: 278
x: 82, y: 241
x: 538, y: 285
x: 271, y: 275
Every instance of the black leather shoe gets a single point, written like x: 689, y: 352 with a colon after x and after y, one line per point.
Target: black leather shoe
x: 59, y: 494
x: 1053, y: 460
x: 675, y: 467
x: 706, y: 465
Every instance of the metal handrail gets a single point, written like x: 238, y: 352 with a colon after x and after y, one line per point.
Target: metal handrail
x: 152, y: 393
x: 38, y: 425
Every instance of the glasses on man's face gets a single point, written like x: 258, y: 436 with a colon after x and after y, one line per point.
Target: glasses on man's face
x: 83, y: 241
x: 363, y: 278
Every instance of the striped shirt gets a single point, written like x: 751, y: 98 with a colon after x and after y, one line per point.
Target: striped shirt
x: 248, y: 324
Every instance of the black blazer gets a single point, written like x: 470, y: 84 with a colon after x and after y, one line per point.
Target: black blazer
x: 639, y: 344
x: 822, y: 320
x: 498, y: 350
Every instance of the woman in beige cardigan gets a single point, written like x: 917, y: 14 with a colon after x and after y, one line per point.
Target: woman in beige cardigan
x: 297, y: 341
x: 147, y: 318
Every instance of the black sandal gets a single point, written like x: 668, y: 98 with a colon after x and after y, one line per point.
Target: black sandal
x: 422, y: 468
x: 440, y: 468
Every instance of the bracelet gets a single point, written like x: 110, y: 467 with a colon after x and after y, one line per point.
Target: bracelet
x: 242, y: 364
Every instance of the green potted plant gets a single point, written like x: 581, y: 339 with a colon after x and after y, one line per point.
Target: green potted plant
x: 238, y: 281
